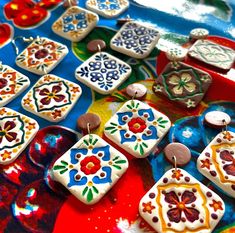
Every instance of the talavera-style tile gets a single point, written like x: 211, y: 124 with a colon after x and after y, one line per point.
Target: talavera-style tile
x: 103, y: 72
x: 183, y: 84
x: 135, y: 40
x: 180, y: 203
x: 52, y: 98
x: 16, y: 132
x: 90, y: 168
x: 216, y: 162
x: 12, y: 84
x: 213, y: 54
x: 107, y: 8
x: 75, y: 23
x: 137, y: 128
x: 41, y: 56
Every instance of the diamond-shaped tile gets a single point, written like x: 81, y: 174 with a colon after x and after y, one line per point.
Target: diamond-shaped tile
x: 180, y: 203
x: 135, y: 40
x: 52, y: 97
x: 107, y: 8
x: 90, y: 168
x: 183, y: 84
x: 137, y: 128
x: 41, y: 56
x: 16, y: 132
x: 216, y: 162
x: 12, y: 84
x: 103, y: 72
x: 75, y: 23
x: 213, y: 54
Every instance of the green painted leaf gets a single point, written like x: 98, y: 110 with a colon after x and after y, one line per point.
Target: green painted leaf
x: 86, y: 142
x: 63, y: 171
x: 95, y: 141
x: 163, y: 122
x: 90, y: 139
x: 113, y: 123
x: 95, y: 189
x: 141, y: 150
x: 89, y: 196
x: 64, y: 162
x: 113, y: 131
x: 159, y: 119
x: 116, y: 166
x: 136, y: 146
x: 84, y: 191
x: 145, y: 145
x: 110, y: 128
x: 162, y: 126
x: 129, y: 106
x: 116, y: 158
x: 120, y: 161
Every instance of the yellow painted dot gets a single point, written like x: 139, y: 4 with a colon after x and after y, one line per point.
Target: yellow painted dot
x: 90, y: 183
x: 24, y: 17
x: 35, y: 12
x: 14, y: 7
x: 14, y: 150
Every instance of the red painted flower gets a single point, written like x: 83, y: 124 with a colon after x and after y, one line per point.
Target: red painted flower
x: 48, y: 4
x: 229, y: 158
x: 90, y: 165
x: 180, y: 206
x: 51, y: 95
x: 137, y: 125
x: 5, y: 131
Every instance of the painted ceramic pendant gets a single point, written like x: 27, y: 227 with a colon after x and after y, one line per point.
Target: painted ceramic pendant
x: 198, y: 34
x: 12, y: 84
x: 103, y: 72
x: 90, y: 168
x: 180, y: 203
x: 137, y: 128
x: 135, y: 40
x: 75, y: 23
x: 52, y: 98
x: 16, y: 132
x: 107, y: 8
x: 41, y: 56
x: 183, y: 84
x: 217, y: 162
x: 217, y: 119
x: 213, y: 54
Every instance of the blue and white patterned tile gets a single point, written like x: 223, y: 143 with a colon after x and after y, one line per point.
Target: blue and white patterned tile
x: 103, y: 72
x: 75, y: 23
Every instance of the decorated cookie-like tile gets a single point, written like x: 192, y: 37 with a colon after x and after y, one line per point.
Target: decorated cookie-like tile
x: 217, y: 162
x: 41, y: 56
x: 107, y: 8
x: 75, y: 23
x: 135, y: 40
x: 183, y: 84
x: 180, y: 203
x: 103, y: 72
x: 213, y: 54
x: 16, y: 132
x: 52, y: 98
x: 12, y: 84
x: 137, y: 128
x: 90, y: 168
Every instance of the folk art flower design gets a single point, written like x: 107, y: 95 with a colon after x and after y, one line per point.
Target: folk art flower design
x: 108, y: 4
x: 7, y: 131
x: 228, y: 158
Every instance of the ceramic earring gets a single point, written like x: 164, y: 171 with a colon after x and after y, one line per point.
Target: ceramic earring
x: 75, y: 23
x: 90, y: 168
x: 180, y: 203
x: 216, y: 161
x: 12, y: 84
x: 41, y: 56
x: 182, y: 83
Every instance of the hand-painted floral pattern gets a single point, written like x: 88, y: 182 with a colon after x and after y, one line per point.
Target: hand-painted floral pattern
x: 135, y: 40
x: 228, y: 158
x: 5, y: 131
x: 90, y: 168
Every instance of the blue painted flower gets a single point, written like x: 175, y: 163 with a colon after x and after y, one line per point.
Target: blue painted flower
x: 145, y: 40
x: 140, y: 31
x: 93, y: 66
x: 130, y: 44
x: 108, y: 4
x: 127, y: 34
x: 74, y: 21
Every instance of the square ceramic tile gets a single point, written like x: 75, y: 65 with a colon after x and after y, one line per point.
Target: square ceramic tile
x: 137, y: 128
x: 213, y: 54
x: 16, y: 132
x: 135, y: 40
x: 107, y: 8
x: 216, y: 162
x: 12, y: 84
x: 41, y: 56
x: 183, y: 84
x: 180, y: 203
x: 75, y: 23
x: 90, y: 168
x: 52, y: 98
x: 103, y: 72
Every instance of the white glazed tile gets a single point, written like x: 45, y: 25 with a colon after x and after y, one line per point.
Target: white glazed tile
x: 180, y: 203
x: 16, y: 132
x: 216, y: 162
x: 103, y: 72
x: 135, y: 40
x: 41, y: 56
x: 90, y: 168
x: 213, y: 54
x: 12, y: 84
x: 52, y: 98
x: 108, y: 8
x: 137, y: 128
x: 75, y: 23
